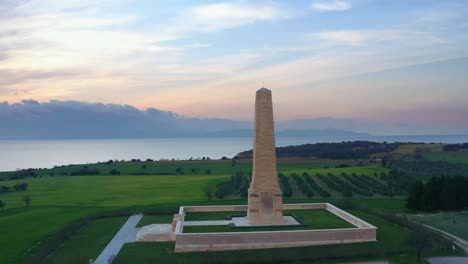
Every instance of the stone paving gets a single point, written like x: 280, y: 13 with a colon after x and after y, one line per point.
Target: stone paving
x: 244, y: 221
x: 208, y: 223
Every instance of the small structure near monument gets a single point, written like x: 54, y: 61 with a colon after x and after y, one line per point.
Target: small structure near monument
x: 265, y: 208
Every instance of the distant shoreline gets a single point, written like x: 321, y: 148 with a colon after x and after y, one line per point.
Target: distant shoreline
x: 23, y: 154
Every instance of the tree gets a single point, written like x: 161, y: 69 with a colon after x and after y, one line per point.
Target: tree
x: 421, y: 240
x: 2, y: 204
x: 414, y: 200
x: 208, y: 172
x: 5, y: 189
x: 209, y: 192
x: 20, y: 186
x: 114, y: 172
x: 27, y: 200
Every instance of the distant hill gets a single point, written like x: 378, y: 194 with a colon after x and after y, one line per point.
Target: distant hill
x: 331, y: 132
x: 343, y: 150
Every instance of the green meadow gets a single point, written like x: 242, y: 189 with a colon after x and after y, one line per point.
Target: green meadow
x: 58, y: 199
x: 453, y: 157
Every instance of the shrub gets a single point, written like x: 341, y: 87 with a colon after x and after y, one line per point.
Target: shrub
x: 114, y: 172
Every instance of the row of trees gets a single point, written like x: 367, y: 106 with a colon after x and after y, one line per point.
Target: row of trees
x: 238, y: 184
x: 426, y: 168
x: 386, y: 184
x: 439, y: 193
x: 26, y: 200
x: 18, y: 187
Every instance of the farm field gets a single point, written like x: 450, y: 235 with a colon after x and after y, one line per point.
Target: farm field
x: 453, y: 157
x: 455, y: 223
x: 414, y: 148
x: 360, y: 170
x: 218, y: 167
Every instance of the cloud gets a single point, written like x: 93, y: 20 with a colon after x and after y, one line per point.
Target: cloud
x: 361, y: 37
x: 31, y: 119
x: 221, y: 16
x: 354, y: 38
x: 327, y: 6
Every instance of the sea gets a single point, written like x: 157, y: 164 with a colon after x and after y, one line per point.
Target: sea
x: 23, y: 154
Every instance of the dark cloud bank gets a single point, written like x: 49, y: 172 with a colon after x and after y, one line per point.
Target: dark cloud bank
x: 78, y: 120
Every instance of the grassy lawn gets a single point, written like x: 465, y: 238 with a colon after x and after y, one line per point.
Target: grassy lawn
x: 22, y: 228
x: 57, y: 201
x: 312, y: 219
x: 206, y: 216
x: 155, y: 219
x: 390, y: 241
x: 110, y: 190
x: 454, y: 223
x: 89, y: 242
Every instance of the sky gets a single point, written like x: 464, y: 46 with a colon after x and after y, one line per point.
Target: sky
x: 395, y: 61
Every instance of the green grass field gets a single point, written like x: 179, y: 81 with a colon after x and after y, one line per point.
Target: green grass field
x: 155, y: 219
x: 60, y: 200
x: 78, y: 250
x: 57, y: 201
x: 312, y: 219
x: 453, y: 157
x: 23, y: 228
x: 111, y: 190
x: 455, y: 223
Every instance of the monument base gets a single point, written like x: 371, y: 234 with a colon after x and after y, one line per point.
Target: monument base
x: 265, y: 208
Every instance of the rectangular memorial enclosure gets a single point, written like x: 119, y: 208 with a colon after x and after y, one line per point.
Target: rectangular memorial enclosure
x: 320, y: 224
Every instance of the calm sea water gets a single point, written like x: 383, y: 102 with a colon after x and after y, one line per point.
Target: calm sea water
x: 21, y: 154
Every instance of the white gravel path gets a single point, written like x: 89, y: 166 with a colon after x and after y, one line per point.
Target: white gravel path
x: 126, y: 234
x: 448, y: 260
x: 457, y: 240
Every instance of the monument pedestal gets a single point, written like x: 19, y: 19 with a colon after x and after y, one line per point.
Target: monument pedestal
x: 265, y: 208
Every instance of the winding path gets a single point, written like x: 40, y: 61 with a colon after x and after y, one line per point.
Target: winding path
x: 126, y: 234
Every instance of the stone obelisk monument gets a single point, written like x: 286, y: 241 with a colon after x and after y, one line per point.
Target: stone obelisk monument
x: 265, y: 196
